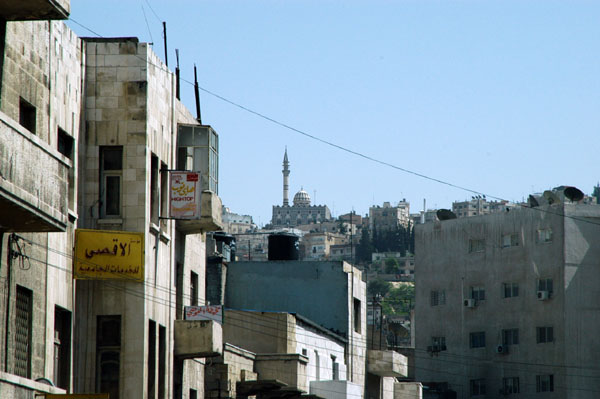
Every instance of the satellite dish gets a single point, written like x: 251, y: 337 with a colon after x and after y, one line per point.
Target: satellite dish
x: 445, y: 214
x: 573, y: 193
x: 551, y: 197
x: 533, y: 201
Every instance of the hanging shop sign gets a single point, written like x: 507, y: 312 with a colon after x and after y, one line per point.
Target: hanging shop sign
x: 211, y: 312
x: 105, y: 254
x: 184, y: 195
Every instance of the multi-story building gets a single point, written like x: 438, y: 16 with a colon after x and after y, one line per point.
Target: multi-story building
x: 234, y: 223
x: 40, y: 102
x: 479, y: 205
x: 136, y: 132
x: 388, y: 217
x: 317, y: 246
x: 90, y: 130
x: 505, y: 303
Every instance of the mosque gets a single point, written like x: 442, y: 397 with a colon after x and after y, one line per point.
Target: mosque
x: 301, y: 212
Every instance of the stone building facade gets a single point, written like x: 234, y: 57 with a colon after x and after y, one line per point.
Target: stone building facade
x: 508, y: 300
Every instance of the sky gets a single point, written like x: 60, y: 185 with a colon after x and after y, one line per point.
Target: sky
x: 500, y: 98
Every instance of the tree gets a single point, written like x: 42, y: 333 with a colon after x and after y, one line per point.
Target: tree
x: 399, y: 300
x: 392, y: 266
x: 378, y: 286
x: 364, y: 248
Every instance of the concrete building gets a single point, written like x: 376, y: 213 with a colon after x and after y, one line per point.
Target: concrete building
x: 479, y: 206
x: 234, y: 223
x: 317, y: 246
x: 301, y: 212
x: 388, y: 217
x: 136, y: 130
x: 337, y: 300
x: 505, y: 303
x: 40, y: 102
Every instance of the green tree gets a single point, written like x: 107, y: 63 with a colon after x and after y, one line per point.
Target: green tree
x: 364, y: 248
x: 399, y: 300
x: 378, y: 286
x: 392, y: 266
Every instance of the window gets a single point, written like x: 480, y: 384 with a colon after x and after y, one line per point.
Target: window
x: 108, y: 355
x: 544, y: 334
x: 193, y: 394
x: 357, y: 320
x: 151, y: 359
x: 544, y: 383
x: 510, y: 290
x: 23, y: 327
x: 154, y: 189
x: 194, y: 289
x: 510, y: 336
x: 544, y: 235
x: 477, y: 245
x: 545, y: 285
x: 478, y: 387
x: 27, y: 115
x: 65, y: 147
x: 510, y: 385
x: 164, y: 190
x: 510, y: 240
x: 111, y: 169
x: 304, y: 352
x: 438, y: 344
x: 162, y: 360
x: 335, y: 367
x: 438, y: 298
x: 62, y: 347
x: 477, y: 339
x: 478, y: 293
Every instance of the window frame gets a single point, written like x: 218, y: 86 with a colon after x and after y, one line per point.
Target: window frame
x: 544, y: 383
x: 544, y: 335
x: 510, y: 385
x: 477, y: 292
x: 477, y: 387
x: 511, y: 288
x: 477, y: 340
x: 510, y: 336
x: 105, y: 174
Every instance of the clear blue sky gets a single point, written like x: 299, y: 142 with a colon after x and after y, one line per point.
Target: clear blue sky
x: 502, y: 97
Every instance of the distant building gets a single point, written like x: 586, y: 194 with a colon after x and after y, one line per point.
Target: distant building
x: 317, y: 246
x: 388, y: 217
x: 301, y: 212
x: 509, y: 300
x: 479, y: 206
x: 235, y: 223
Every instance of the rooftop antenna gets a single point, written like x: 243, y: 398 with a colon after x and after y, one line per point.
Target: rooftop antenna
x: 177, y: 87
x: 165, y: 38
x: 197, y: 94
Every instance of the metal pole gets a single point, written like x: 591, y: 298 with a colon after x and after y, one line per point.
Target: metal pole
x: 165, y: 41
x: 197, y: 94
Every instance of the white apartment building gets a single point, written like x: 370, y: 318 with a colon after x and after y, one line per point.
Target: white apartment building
x: 506, y: 304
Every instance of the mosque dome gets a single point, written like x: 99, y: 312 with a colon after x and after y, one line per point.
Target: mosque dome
x: 301, y: 198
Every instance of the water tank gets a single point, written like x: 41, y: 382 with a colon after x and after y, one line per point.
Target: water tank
x: 283, y: 246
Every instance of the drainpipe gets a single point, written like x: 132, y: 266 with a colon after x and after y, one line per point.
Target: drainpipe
x: 8, y: 291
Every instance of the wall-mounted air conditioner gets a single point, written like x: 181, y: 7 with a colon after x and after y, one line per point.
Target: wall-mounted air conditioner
x: 543, y: 295
x: 502, y: 349
x: 469, y: 303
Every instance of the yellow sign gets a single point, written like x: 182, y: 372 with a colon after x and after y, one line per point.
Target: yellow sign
x: 77, y: 396
x: 105, y: 254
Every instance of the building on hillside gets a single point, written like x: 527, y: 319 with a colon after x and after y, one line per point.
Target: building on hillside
x: 479, y: 205
x: 406, y: 264
x: 317, y: 246
x: 301, y: 212
x: 234, y: 223
x: 388, y: 217
x: 346, y: 252
x: 508, y: 299
x: 40, y: 105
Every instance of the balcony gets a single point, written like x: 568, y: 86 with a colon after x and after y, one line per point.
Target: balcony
x: 198, y: 338
x: 289, y: 368
x: 386, y: 363
x: 210, y: 216
x: 34, y: 10
x: 335, y: 389
x: 33, y: 182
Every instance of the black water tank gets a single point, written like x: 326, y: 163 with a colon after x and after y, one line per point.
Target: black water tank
x: 283, y: 246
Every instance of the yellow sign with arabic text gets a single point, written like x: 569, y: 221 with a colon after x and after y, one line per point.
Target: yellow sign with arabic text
x: 105, y: 254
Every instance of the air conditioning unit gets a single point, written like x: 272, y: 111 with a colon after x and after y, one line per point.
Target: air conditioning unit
x: 469, y: 302
x: 543, y: 295
x: 502, y: 349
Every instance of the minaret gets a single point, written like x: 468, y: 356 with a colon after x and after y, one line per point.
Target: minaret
x: 286, y: 174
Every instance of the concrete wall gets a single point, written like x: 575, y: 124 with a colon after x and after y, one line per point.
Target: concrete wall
x: 444, y: 263
x: 42, y: 64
